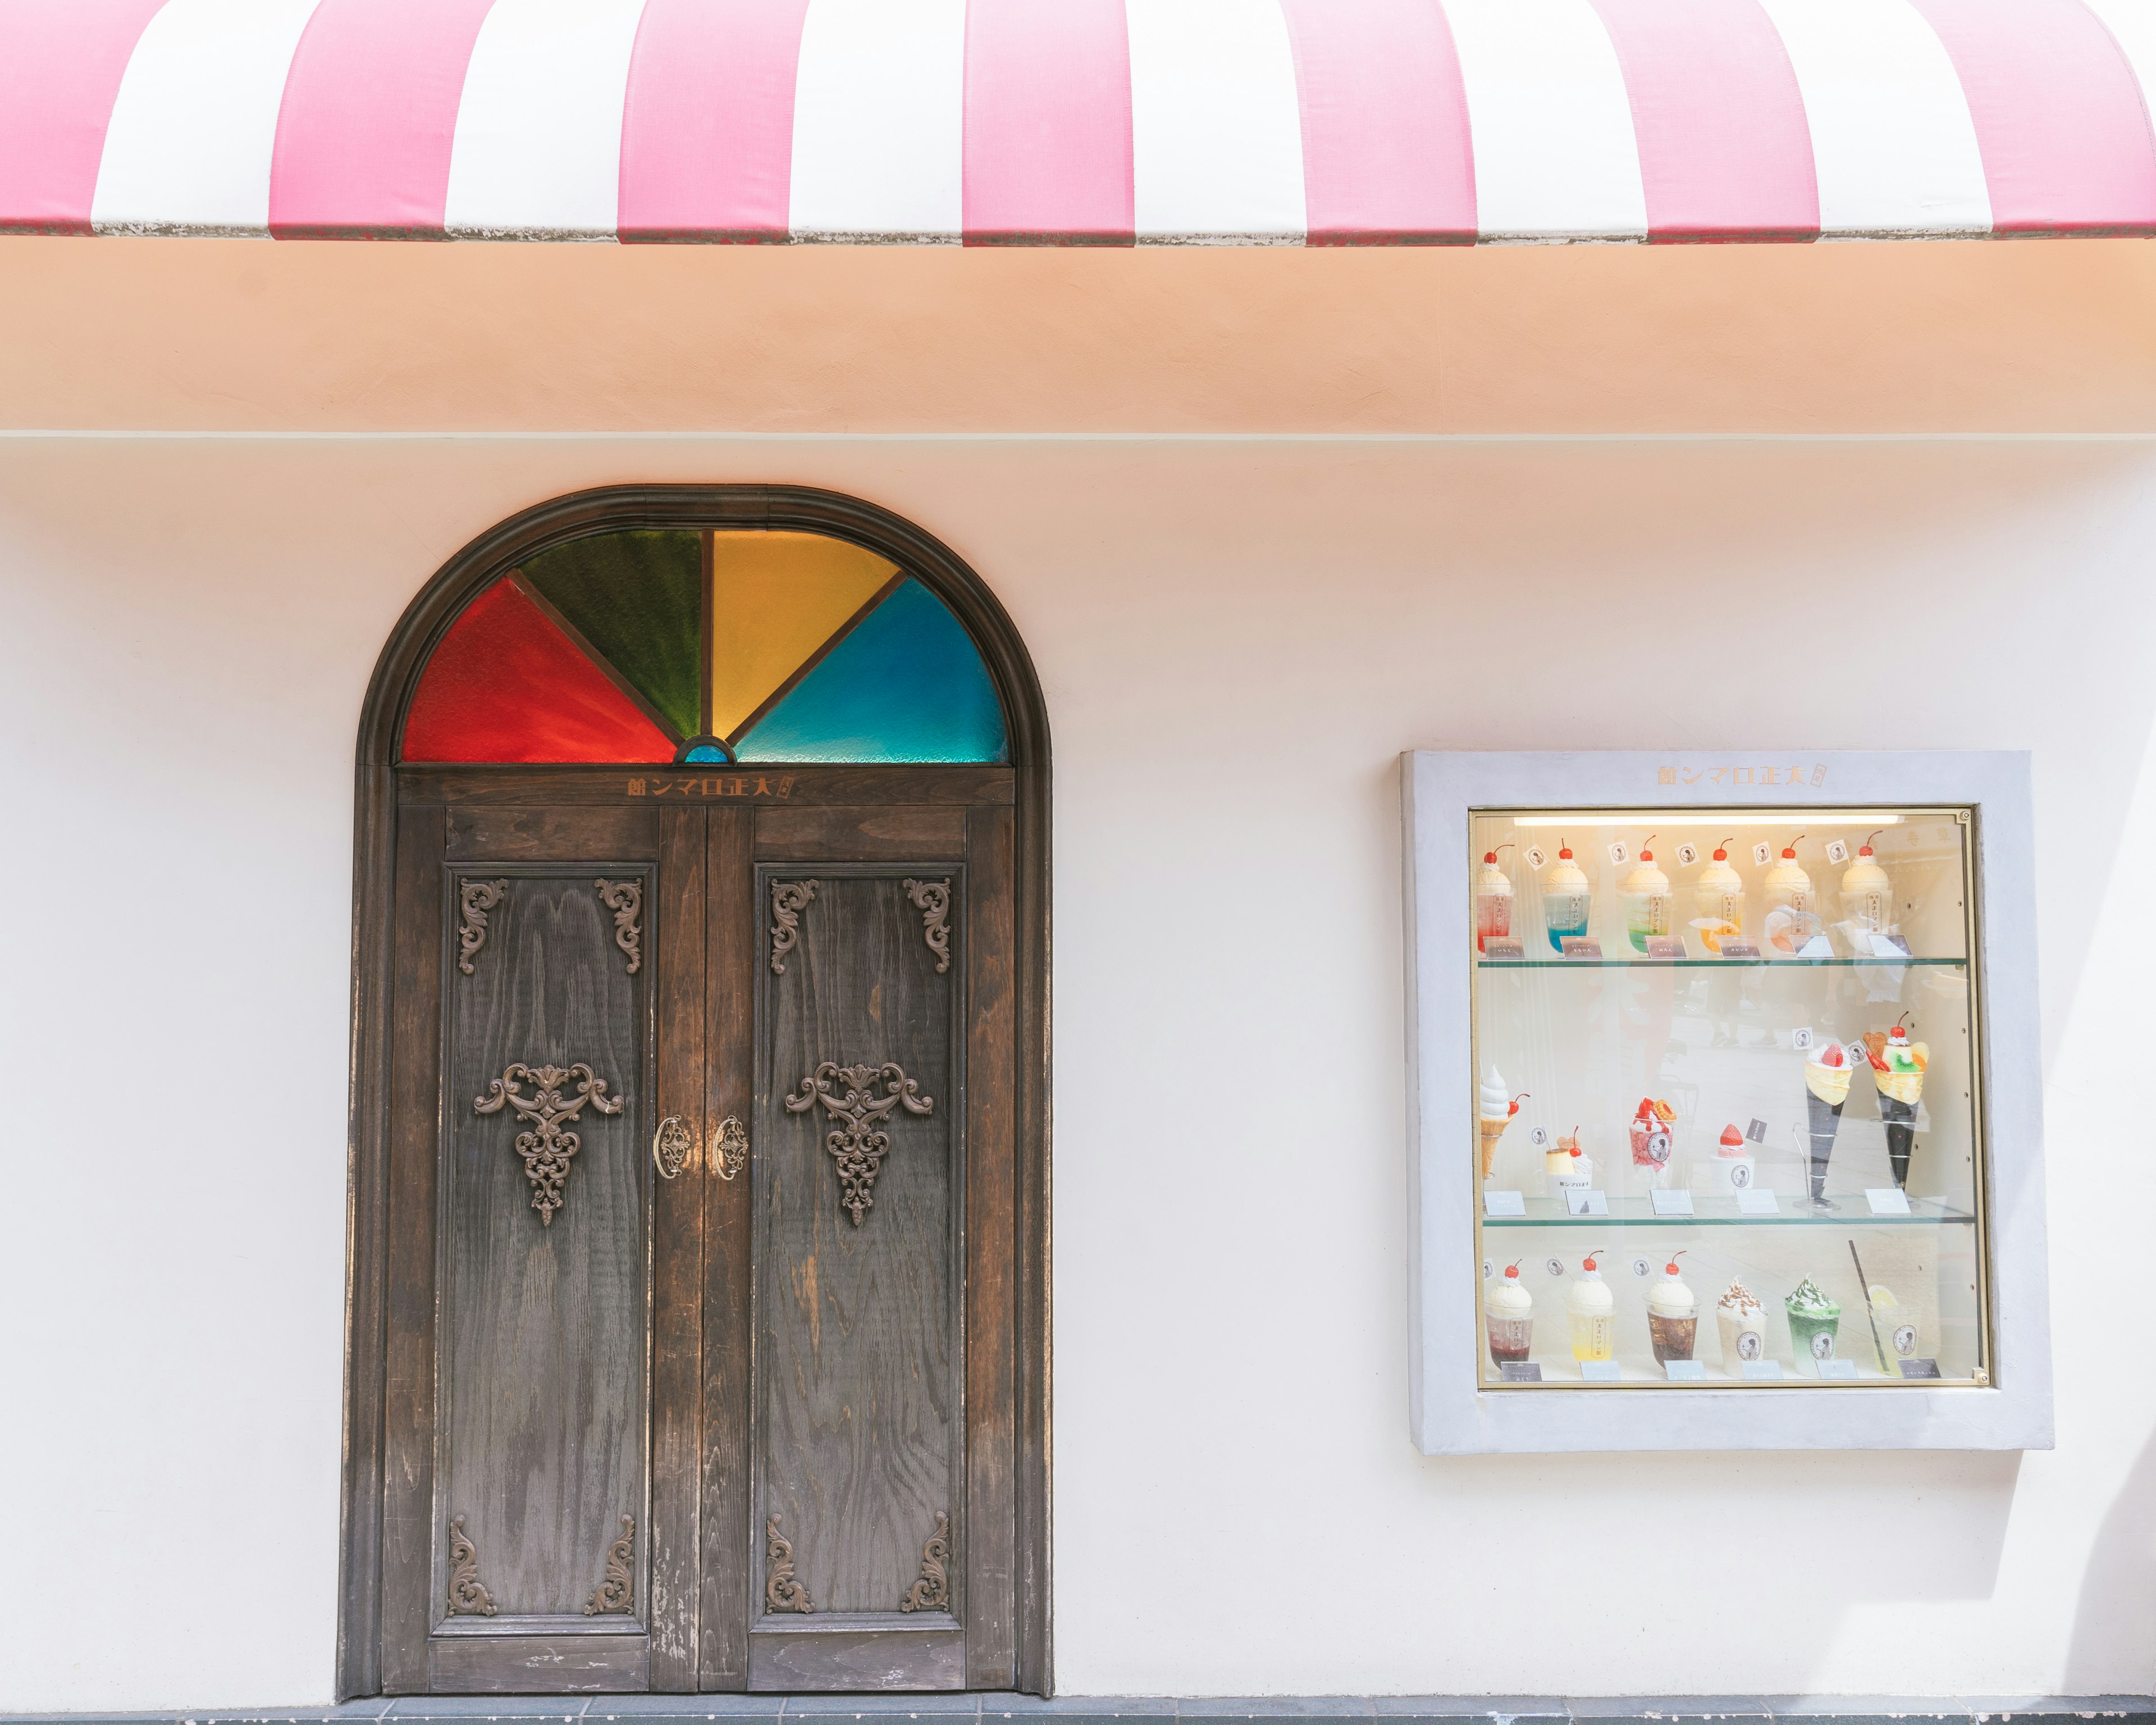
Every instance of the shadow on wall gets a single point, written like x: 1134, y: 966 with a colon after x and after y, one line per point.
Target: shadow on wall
x: 2119, y: 1588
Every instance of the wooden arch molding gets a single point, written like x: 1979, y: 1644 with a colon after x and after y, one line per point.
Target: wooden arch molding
x: 488, y: 557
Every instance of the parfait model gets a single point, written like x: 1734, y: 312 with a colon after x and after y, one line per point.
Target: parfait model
x: 1867, y: 898
x: 1672, y: 1316
x: 1734, y: 1167
x: 1493, y: 899
x: 1652, y: 1139
x: 1742, y: 1321
x: 1791, y: 923
x: 1814, y: 1320
x: 1494, y: 1114
x: 1568, y: 898
x: 1718, y: 903
x: 1592, y: 1309
x: 1897, y: 1067
x: 1644, y: 894
x: 1826, y: 1082
x: 1509, y: 1311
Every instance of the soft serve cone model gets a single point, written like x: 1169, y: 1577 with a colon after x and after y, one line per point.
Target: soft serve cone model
x: 1742, y: 1321
x: 1644, y: 894
x: 1897, y: 1067
x: 1592, y: 1311
x: 1672, y: 1315
x: 1493, y: 899
x: 1827, y: 1082
x: 1717, y: 903
x: 1494, y: 1114
x: 1509, y: 1311
x: 1567, y: 900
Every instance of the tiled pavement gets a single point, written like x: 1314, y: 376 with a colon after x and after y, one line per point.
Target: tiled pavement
x: 1139, y: 1710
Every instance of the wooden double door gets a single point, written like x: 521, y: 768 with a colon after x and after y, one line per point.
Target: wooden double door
x: 699, y: 1306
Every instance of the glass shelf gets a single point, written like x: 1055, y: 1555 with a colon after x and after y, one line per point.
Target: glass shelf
x: 1723, y: 1213
x: 1637, y: 963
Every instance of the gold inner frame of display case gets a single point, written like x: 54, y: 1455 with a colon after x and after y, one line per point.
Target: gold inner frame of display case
x: 1967, y: 817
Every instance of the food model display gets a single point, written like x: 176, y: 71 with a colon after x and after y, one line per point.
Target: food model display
x: 1719, y: 1078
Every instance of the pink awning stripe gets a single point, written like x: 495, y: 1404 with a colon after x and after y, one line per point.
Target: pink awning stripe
x: 2059, y: 116
x: 1387, y: 152
x: 60, y: 65
x: 707, y: 133
x: 1724, y: 149
x: 1048, y: 123
x: 347, y: 163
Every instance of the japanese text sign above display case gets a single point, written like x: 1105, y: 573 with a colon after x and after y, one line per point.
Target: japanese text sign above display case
x: 1725, y: 1102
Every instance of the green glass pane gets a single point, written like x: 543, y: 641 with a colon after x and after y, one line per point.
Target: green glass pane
x: 638, y: 598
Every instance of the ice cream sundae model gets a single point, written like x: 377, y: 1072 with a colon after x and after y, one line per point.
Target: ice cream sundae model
x: 1494, y: 1115
x: 1652, y: 1139
x: 1717, y: 898
x: 1867, y: 899
x: 1826, y: 1081
x: 1734, y: 1167
x: 1493, y: 899
x: 1897, y: 1068
x: 1792, y: 921
x: 1742, y: 1321
x: 1813, y: 1319
x: 1508, y: 1309
x: 1787, y: 887
x: 1644, y: 894
x: 1567, y: 1169
x: 1672, y: 1315
x: 1592, y: 1309
x: 1568, y: 898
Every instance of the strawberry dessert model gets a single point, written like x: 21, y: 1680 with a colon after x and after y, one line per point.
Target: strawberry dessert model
x: 1493, y: 899
x: 1568, y: 898
x: 1897, y: 1068
x: 1734, y: 1167
x: 1651, y: 1136
x: 1827, y: 1082
x: 1718, y: 897
x: 1645, y: 894
x: 1494, y: 1113
x: 1509, y: 1312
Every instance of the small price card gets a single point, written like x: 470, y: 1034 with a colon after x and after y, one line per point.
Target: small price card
x: 1599, y: 1371
x: 1890, y: 945
x: 1685, y: 1371
x: 1687, y: 855
x: 1756, y: 1203
x: 1831, y: 1369
x: 1763, y: 854
x: 1671, y: 1203
x: 1887, y: 1201
x: 1504, y: 1203
x: 1580, y: 945
x: 1496, y: 946
x: 1536, y: 858
x: 1756, y: 1133
x: 1919, y: 1368
x: 1577, y: 1203
x: 1740, y: 949
x: 1665, y: 946
x: 1762, y: 1371
x: 1520, y: 1371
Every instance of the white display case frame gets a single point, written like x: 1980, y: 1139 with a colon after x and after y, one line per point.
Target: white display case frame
x: 1451, y: 1411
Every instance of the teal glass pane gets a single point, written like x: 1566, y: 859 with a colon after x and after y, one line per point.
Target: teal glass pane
x: 638, y: 597
x: 906, y: 685
x: 706, y: 754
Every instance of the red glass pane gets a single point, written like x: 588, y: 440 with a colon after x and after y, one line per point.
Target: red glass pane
x: 505, y: 684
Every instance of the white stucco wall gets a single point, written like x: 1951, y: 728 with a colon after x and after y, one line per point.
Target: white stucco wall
x: 1238, y: 632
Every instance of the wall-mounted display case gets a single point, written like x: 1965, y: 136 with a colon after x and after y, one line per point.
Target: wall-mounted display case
x: 1713, y: 1058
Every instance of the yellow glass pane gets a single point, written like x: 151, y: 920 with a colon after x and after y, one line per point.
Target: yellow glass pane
x: 775, y: 598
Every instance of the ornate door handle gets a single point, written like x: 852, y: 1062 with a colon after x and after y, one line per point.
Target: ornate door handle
x: 730, y: 1155
x: 673, y: 1147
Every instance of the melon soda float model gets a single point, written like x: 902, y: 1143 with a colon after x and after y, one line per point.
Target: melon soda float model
x: 1508, y: 1311
x: 1897, y: 1067
x: 1493, y: 899
x: 1645, y: 895
x: 1494, y: 1114
x: 1568, y: 898
x: 1718, y: 903
x: 1592, y: 1311
x: 1672, y: 1315
x: 1826, y: 1081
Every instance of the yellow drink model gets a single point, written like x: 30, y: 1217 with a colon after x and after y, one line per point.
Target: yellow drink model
x: 1592, y: 1309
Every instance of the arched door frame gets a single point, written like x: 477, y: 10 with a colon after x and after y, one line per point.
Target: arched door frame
x: 486, y: 559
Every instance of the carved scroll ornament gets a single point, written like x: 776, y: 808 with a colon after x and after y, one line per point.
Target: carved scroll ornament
x: 789, y: 900
x: 616, y: 1593
x: 932, y: 1591
x: 781, y: 1591
x: 857, y: 1141
x: 467, y: 1597
x: 625, y: 899
x: 932, y: 899
x: 548, y: 1147
x: 474, y: 898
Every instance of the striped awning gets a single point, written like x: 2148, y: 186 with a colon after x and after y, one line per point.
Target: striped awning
x: 1062, y: 121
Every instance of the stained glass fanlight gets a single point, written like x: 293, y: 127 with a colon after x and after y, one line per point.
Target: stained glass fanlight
x: 651, y: 646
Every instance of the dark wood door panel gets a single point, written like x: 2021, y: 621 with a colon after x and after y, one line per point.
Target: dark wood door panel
x: 860, y: 1138
x: 553, y: 835
x: 847, y: 1656
x: 538, y: 1664
x: 844, y: 834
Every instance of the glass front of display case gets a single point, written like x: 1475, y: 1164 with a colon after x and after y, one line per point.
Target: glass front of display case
x: 1728, y: 1125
